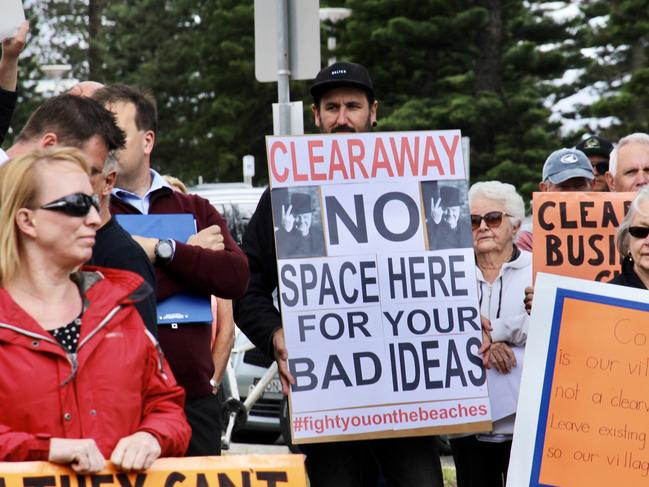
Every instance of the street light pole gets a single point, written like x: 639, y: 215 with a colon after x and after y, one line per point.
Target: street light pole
x: 283, y: 68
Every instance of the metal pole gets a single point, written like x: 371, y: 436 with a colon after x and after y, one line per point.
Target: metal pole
x: 283, y: 68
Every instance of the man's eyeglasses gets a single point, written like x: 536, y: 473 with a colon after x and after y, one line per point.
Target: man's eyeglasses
x: 639, y: 232
x: 77, y: 204
x: 601, y: 167
x: 493, y: 219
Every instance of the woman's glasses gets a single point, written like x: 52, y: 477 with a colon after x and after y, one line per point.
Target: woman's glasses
x: 493, y: 219
x: 77, y: 204
x: 639, y: 232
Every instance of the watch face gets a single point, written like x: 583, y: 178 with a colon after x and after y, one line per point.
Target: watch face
x: 164, y: 250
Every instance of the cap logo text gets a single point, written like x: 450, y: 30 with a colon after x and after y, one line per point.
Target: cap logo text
x: 569, y: 159
x: 338, y: 71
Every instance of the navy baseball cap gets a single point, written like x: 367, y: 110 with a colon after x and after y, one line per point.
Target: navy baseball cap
x: 564, y: 164
x: 342, y: 74
x: 595, y: 146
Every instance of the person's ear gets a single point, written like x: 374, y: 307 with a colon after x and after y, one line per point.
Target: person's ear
x: 543, y: 186
x: 49, y: 139
x: 149, y: 141
x: 373, y: 109
x: 316, y: 114
x: 109, y: 183
x: 25, y: 221
x: 610, y: 181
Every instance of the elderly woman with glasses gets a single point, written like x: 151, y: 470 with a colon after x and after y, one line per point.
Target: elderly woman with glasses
x: 503, y: 272
x: 633, y: 243
x: 80, y: 378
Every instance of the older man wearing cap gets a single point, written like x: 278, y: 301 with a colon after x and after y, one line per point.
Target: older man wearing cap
x: 343, y: 101
x: 567, y: 170
x: 598, y: 150
x: 564, y: 170
x: 629, y: 165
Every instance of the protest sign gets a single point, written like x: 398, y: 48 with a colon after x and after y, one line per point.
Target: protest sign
x: 378, y: 295
x: 582, y: 416
x: 228, y: 471
x: 574, y: 233
x: 11, y: 18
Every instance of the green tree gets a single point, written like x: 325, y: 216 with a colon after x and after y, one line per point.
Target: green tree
x: 197, y: 56
x: 618, y: 72
x: 474, y: 65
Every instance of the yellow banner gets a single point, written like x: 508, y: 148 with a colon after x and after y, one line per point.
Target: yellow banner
x: 227, y: 471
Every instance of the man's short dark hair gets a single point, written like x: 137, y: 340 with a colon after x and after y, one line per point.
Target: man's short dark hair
x: 146, y: 110
x: 74, y: 120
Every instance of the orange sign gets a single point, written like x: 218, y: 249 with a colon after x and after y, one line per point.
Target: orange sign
x: 598, y: 413
x: 574, y: 233
x: 227, y: 471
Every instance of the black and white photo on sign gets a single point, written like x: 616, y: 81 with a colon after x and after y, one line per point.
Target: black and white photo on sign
x: 298, y: 222
x: 448, y: 223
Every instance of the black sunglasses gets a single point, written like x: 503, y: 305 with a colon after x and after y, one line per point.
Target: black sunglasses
x: 77, y: 204
x: 639, y: 232
x: 601, y: 167
x: 493, y: 219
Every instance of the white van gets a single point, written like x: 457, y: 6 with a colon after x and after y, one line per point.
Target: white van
x: 235, y: 201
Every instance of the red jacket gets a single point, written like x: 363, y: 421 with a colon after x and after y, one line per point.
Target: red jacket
x: 116, y: 384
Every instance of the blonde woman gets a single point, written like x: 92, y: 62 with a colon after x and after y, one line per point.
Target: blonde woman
x: 80, y: 379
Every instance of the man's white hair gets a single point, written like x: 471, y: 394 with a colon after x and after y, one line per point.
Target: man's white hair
x: 635, y: 138
x: 502, y: 192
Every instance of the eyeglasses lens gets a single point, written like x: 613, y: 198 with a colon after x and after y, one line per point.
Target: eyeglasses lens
x: 493, y: 219
x: 77, y: 204
x: 639, y: 232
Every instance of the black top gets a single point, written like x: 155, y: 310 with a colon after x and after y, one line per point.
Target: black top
x: 114, y: 247
x: 68, y: 335
x: 627, y: 276
x: 255, y: 312
x: 7, y: 106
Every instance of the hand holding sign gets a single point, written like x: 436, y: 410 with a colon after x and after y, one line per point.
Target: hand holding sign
x: 529, y: 297
x: 281, y: 356
x: 13, y: 46
x: 136, y: 452
x: 82, y: 455
x: 486, y: 341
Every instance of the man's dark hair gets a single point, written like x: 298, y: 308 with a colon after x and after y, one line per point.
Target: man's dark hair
x: 74, y: 120
x: 146, y: 111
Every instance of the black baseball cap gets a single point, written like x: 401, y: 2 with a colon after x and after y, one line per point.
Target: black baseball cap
x: 342, y: 74
x: 595, y: 146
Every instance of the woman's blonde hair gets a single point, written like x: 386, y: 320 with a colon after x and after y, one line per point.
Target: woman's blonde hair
x: 175, y: 183
x: 19, y: 187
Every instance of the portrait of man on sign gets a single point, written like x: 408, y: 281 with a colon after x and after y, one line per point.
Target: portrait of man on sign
x: 299, y: 229
x: 446, y: 215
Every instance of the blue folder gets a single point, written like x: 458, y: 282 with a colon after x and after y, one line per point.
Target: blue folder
x: 183, y: 307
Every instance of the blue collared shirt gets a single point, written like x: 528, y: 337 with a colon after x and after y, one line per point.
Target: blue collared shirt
x: 142, y: 203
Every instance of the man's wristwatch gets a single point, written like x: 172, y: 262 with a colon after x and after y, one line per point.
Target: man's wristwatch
x: 164, y: 252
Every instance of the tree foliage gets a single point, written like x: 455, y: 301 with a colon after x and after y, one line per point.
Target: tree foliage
x: 491, y: 68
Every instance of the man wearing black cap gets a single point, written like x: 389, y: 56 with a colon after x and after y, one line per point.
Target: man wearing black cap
x: 343, y: 101
x: 598, y: 150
